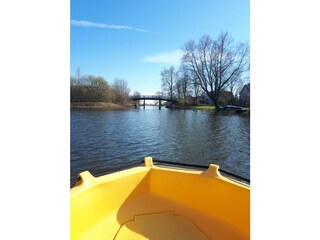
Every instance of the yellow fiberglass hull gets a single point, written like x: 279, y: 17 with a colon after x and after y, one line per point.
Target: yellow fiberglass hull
x: 158, y: 202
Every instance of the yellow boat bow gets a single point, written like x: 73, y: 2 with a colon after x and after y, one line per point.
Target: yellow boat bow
x: 160, y: 202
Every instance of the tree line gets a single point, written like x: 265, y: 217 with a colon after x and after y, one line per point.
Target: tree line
x: 210, y: 67
x: 90, y: 88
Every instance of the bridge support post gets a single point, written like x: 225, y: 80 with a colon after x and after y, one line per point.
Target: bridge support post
x: 144, y: 104
x: 159, y: 104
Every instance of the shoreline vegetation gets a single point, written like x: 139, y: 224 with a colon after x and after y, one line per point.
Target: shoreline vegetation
x: 205, y: 107
x: 113, y: 106
x: 198, y: 107
x: 100, y: 105
x: 212, y: 71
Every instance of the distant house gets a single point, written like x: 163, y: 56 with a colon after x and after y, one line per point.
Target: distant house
x: 204, y: 99
x: 244, y: 96
x: 225, y: 97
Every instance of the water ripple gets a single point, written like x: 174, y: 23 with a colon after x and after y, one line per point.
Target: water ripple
x: 101, y: 139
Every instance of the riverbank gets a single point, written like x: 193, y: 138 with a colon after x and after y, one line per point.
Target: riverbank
x: 211, y: 108
x: 99, y: 105
x: 198, y: 107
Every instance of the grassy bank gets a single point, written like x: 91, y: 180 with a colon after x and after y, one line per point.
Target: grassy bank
x: 100, y: 105
x: 199, y: 107
x: 211, y: 108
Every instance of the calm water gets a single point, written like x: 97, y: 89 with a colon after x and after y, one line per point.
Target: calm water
x: 106, y: 139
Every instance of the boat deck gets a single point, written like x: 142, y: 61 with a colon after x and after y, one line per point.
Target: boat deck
x: 160, y: 203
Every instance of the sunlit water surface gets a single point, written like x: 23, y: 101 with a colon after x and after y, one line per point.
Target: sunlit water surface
x: 104, y: 139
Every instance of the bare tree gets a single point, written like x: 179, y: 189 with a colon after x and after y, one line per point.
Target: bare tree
x: 158, y: 93
x: 136, y: 94
x: 120, y: 91
x: 89, y: 88
x: 234, y: 85
x: 196, y: 87
x: 178, y: 87
x: 216, y: 63
x: 168, y: 79
x: 78, y: 74
x: 185, y: 81
x: 98, y: 89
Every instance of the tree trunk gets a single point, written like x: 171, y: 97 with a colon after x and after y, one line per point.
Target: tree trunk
x: 214, y: 96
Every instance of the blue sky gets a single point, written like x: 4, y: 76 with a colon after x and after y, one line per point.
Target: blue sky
x: 136, y: 40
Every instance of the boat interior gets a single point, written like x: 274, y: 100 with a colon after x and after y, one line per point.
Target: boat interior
x: 160, y: 202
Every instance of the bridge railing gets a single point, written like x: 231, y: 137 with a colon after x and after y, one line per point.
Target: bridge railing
x: 153, y: 97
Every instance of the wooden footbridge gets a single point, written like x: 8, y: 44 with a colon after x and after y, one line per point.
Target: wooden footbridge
x: 153, y: 97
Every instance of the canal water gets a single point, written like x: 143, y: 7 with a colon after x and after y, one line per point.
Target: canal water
x: 105, y: 139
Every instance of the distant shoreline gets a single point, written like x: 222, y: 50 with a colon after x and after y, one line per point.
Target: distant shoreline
x: 100, y: 105
x: 113, y: 106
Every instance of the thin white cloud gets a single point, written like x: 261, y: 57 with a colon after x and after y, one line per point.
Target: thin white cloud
x: 102, y: 25
x: 171, y: 57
